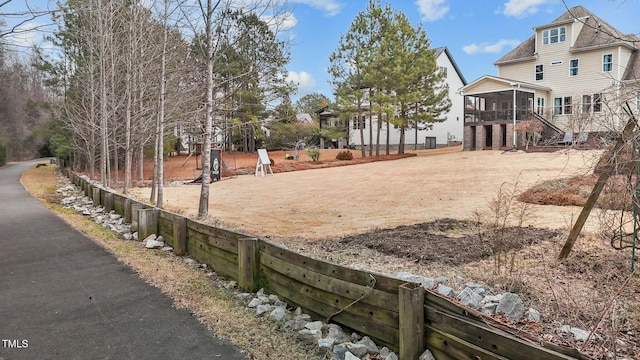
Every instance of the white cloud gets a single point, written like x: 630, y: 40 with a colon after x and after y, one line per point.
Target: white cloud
x: 522, y: 8
x: 26, y: 35
x: 306, y: 83
x: 433, y: 10
x: 331, y: 7
x: 489, y: 48
x: 282, y: 22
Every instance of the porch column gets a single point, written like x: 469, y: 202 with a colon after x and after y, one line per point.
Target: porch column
x: 510, y: 138
x: 515, y: 144
x: 481, y: 137
x: 468, y: 137
x: 496, y: 136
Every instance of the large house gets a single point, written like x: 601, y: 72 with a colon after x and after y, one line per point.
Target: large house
x: 573, y: 74
x: 443, y: 133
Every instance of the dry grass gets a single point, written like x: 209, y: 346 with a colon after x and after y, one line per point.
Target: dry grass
x: 189, y: 288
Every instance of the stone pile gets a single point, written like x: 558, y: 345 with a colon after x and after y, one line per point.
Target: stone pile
x: 328, y: 339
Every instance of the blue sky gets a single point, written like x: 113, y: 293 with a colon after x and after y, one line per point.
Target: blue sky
x: 476, y: 32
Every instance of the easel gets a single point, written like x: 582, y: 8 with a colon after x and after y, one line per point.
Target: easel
x: 263, y: 160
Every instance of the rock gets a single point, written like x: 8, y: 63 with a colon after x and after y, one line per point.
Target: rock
x: 324, y: 345
x: 263, y: 308
x: 391, y: 356
x: 278, y: 314
x: 335, y: 332
x: 350, y: 356
x: 470, y: 297
x: 127, y: 236
x: 315, y: 325
x: 273, y: 299
x: 578, y: 334
x: 424, y: 281
x: 309, y: 337
x: 254, y: 303
x: 339, y: 352
x: 511, y: 306
x: 426, y: 355
x: 150, y: 237
x: 154, y: 244
x: 445, y: 290
x: 533, y: 315
x: 244, y: 297
x: 369, y: 344
x: 135, y: 236
x: 358, y: 350
x: 167, y: 249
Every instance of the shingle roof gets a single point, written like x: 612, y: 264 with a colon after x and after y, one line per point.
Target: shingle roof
x: 595, y: 33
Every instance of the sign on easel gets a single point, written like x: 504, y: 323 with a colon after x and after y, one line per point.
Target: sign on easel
x: 216, y: 158
x: 263, y: 161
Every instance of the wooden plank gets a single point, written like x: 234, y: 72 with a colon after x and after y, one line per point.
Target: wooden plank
x: 343, y: 288
x: 442, y: 303
x: 248, y: 264
x: 118, y: 204
x: 411, y: 315
x: 382, y: 282
x: 180, y: 236
x: 487, y: 337
x: 108, y: 201
x: 445, y: 346
x: 165, y: 228
x: 231, y: 257
x: 303, y: 295
x: 355, y: 306
x: 221, y: 238
x: 219, y: 264
x: 147, y: 223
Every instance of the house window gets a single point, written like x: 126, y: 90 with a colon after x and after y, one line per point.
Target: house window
x: 607, y: 62
x: 539, y: 72
x: 597, y: 102
x: 443, y: 69
x: 562, y: 105
x: 586, y: 104
x: 591, y: 103
x: 540, y: 107
x: 554, y: 35
x: 573, y: 67
x: 356, y: 123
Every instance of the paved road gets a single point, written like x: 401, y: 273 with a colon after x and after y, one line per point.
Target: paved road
x: 62, y: 296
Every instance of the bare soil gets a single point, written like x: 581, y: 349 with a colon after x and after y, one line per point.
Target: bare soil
x: 430, y: 214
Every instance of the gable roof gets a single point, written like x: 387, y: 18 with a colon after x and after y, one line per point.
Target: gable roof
x: 443, y: 49
x: 498, y: 84
x: 594, y: 34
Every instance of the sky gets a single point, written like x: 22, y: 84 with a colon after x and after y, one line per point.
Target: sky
x: 476, y: 32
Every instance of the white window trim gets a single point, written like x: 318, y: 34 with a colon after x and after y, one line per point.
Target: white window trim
x: 535, y: 72
x: 577, y: 68
x: 561, y: 35
x: 609, y: 63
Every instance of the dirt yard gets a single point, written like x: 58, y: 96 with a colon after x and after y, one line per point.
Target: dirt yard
x: 427, y: 215
x: 339, y: 201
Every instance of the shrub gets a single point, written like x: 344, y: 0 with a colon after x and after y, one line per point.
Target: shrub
x: 344, y: 155
x: 314, y: 153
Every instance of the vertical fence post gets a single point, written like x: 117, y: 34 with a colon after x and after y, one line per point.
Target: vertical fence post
x: 248, y: 264
x: 87, y: 189
x: 135, y: 209
x: 411, y: 313
x: 108, y: 201
x: 127, y: 210
x: 147, y: 223
x: 180, y: 235
x: 95, y: 196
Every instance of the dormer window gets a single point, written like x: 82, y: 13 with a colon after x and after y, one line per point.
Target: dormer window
x: 555, y: 35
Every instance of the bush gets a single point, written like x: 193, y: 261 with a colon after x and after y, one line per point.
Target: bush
x: 344, y: 155
x: 314, y: 153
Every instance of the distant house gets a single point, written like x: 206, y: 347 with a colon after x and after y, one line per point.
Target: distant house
x: 327, y: 119
x: 304, y: 118
x: 572, y: 75
x: 448, y: 132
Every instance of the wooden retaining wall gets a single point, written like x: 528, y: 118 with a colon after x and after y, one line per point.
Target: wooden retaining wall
x: 402, y: 316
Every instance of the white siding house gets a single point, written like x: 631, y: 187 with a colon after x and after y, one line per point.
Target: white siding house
x: 445, y: 133
x: 572, y: 74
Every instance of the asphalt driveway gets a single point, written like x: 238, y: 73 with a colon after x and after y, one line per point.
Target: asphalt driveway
x: 62, y: 296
